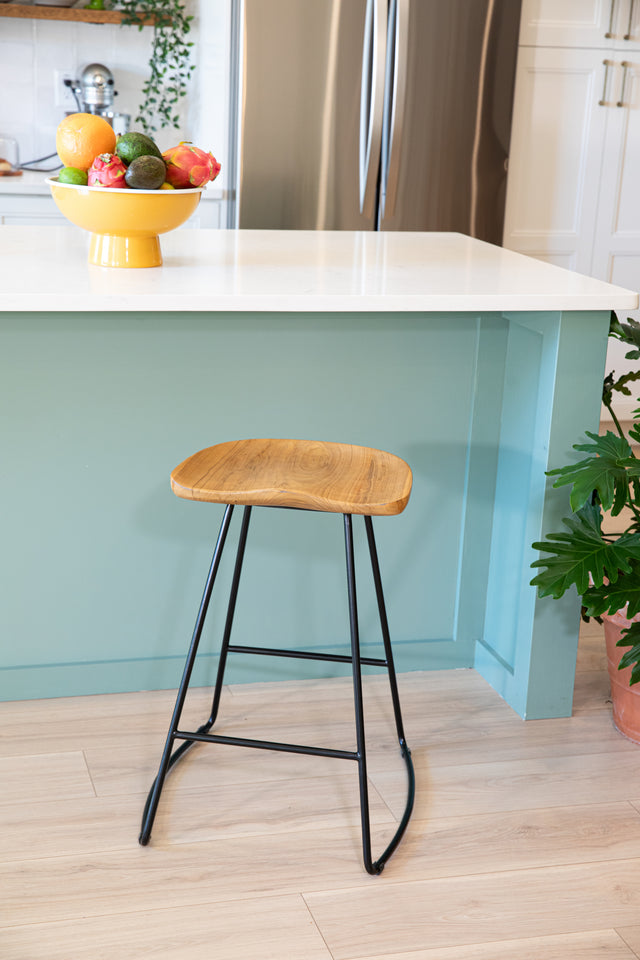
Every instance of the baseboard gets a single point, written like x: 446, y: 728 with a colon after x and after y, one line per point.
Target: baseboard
x: 44, y: 681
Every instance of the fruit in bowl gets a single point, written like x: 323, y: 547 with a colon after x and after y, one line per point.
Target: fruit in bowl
x: 124, y: 191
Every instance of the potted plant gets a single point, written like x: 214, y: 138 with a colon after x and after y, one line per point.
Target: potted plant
x: 169, y: 66
x: 605, y: 567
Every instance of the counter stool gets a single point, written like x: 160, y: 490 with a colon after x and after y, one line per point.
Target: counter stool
x: 303, y: 475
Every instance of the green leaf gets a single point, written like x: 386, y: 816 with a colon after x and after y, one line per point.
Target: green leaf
x: 620, y: 385
x: 631, y: 638
x: 628, y: 332
x: 582, y: 555
x: 605, y: 472
x: 611, y: 597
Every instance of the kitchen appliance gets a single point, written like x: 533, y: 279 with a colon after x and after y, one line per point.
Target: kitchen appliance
x: 94, y: 93
x: 374, y: 114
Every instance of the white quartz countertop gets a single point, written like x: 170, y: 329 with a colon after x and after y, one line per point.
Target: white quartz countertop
x: 33, y: 183
x: 260, y: 270
x: 29, y: 182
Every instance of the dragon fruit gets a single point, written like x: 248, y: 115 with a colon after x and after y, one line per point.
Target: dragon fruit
x: 107, y: 170
x: 189, y: 166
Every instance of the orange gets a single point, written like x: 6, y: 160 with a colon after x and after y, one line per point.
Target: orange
x: 81, y: 137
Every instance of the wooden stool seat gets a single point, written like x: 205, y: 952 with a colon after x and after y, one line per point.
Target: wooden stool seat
x: 307, y: 474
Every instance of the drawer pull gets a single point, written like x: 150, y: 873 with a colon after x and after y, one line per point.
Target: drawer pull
x: 607, y: 64
x: 625, y: 68
x: 609, y: 33
x: 627, y: 35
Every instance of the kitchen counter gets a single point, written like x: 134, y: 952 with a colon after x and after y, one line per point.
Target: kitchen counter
x: 33, y: 183
x: 29, y: 182
x: 295, y: 270
x: 26, y: 200
x: 480, y: 367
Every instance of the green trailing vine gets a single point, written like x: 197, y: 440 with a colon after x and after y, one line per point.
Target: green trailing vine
x: 169, y: 66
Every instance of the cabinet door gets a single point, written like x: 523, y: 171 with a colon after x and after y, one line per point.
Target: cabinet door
x: 608, y: 24
x: 616, y: 254
x: 626, y: 31
x: 556, y: 148
x: 569, y: 23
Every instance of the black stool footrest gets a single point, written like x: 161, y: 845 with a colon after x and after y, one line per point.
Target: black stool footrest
x: 304, y: 655
x: 266, y: 745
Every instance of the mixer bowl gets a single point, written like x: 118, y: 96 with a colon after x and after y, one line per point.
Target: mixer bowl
x: 124, y: 224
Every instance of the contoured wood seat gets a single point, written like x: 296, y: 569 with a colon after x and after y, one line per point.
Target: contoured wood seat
x: 305, y: 475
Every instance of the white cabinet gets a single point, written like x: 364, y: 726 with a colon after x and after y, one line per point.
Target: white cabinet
x: 608, y: 24
x: 557, y: 140
x: 573, y: 190
x: 616, y: 250
x: 32, y: 209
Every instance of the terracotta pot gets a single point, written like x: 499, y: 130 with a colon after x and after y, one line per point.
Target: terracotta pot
x: 626, y: 699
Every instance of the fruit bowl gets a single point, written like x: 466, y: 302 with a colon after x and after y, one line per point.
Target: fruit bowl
x: 124, y: 223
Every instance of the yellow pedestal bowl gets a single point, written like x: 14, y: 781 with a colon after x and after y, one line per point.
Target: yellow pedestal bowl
x: 124, y: 224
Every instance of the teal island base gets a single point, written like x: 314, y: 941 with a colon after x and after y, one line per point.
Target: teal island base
x: 103, y: 567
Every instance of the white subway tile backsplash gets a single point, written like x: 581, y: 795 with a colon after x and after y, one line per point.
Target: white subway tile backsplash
x: 31, y: 50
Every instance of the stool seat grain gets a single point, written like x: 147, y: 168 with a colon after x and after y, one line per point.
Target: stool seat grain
x: 305, y: 474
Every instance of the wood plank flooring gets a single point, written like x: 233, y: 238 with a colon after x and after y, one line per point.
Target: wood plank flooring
x: 525, y: 842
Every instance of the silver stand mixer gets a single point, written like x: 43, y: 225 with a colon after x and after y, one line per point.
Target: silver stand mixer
x: 94, y: 93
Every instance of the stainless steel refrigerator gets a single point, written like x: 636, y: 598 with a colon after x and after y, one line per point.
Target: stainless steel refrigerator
x: 374, y: 114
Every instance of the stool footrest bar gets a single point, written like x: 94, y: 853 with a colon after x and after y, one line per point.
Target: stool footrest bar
x: 304, y: 655
x: 266, y: 745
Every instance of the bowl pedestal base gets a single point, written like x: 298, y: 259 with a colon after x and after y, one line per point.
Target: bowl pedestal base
x: 110, y: 251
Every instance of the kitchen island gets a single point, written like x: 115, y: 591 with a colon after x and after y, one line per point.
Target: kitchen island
x: 479, y: 366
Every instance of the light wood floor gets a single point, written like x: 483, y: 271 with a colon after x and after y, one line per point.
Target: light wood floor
x: 525, y: 842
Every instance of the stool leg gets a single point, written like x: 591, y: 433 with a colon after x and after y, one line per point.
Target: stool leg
x: 233, y: 596
x: 370, y: 867
x: 395, y: 697
x: 169, y: 758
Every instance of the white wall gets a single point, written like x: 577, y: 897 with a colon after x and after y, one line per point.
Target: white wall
x: 30, y: 51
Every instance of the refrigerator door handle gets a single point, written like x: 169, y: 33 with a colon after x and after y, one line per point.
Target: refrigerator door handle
x: 395, y: 97
x: 372, y: 101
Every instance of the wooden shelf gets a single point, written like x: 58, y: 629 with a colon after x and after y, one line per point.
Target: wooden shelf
x: 26, y: 11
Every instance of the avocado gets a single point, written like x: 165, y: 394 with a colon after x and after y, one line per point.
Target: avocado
x: 132, y: 145
x: 146, y: 173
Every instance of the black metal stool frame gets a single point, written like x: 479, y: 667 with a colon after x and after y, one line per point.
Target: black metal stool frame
x: 171, y: 755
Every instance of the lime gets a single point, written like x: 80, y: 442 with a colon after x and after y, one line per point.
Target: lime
x: 73, y: 175
x: 167, y: 186
x: 132, y: 145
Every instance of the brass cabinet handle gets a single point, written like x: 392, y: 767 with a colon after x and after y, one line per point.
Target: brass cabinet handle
x: 627, y: 35
x: 607, y: 64
x: 625, y: 67
x: 612, y: 11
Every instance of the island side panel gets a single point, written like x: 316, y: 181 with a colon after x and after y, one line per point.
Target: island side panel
x: 103, y: 567
x: 552, y: 394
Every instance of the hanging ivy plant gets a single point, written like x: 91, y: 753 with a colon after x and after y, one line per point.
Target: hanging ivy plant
x: 169, y: 66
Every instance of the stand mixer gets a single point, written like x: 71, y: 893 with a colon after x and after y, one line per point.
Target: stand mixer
x: 94, y: 93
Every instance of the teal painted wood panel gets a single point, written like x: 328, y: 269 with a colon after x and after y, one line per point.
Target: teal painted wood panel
x: 103, y: 566
x: 552, y: 394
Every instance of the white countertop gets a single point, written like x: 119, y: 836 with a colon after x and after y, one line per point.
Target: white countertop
x: 259, y: 270
x: 29, y: 182
x: 34, y: 184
